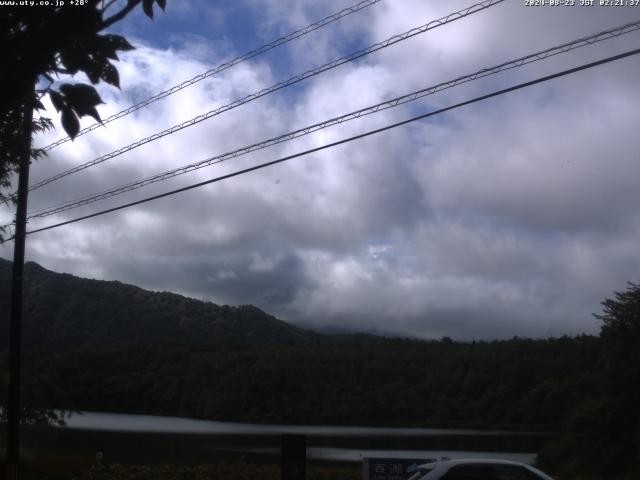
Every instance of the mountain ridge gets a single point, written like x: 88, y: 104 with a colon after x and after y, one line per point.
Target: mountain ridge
x: 63, y: 311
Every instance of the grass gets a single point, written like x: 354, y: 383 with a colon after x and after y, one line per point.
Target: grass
x: 221, y: 471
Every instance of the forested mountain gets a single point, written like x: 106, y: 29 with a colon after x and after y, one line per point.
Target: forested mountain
x: 163, y: 353
x: 63, y: 311
x: 106, y: 346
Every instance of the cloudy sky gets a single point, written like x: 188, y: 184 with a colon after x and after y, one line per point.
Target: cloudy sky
x: 513, y: 216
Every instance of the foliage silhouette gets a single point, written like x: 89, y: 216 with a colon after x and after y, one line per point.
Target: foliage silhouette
x: 601, y: 434
x: 37, y: 46
x: 38, y: 43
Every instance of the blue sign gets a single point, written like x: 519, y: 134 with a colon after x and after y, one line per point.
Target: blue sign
x: 391, y: 468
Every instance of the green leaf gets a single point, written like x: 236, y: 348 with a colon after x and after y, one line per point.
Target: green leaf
x: 119, y: 42
x: 37, y: 104
x: 92, y: 112
x: 73, y: 58
x: 82, y: 99
x: 79, y: 94
x: 57, y: 100
x: 93, y: 70
x: 162, y: 4
x: 147, y: 6
x: 70, y: 122
x: 110, y: 75
x: 105, y: 48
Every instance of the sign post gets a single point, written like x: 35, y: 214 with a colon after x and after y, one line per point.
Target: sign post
x: 293, y: 457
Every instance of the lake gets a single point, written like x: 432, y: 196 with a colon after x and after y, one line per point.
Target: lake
x: 359, y: 439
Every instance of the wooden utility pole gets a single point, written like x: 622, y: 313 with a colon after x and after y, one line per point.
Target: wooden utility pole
x: 15, y: 324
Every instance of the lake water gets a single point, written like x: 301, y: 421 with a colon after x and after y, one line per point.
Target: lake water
x: 356, y: 455
x: 159, y: 424
x: 152, y: 423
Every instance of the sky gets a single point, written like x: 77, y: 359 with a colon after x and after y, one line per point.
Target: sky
x: 515, y: 216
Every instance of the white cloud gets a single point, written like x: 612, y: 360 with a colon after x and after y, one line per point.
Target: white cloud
x: 510, y: 217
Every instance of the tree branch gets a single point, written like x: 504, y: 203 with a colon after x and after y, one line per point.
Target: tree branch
x: 108, y: 5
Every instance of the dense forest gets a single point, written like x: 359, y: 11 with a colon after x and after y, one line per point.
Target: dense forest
x: 137, y: 356
x: 520, y: 384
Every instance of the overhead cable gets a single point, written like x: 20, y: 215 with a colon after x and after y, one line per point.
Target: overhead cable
x: 534, y: 57
x: 340, y: 142
x: 223, y: 66
x: 298, y: 78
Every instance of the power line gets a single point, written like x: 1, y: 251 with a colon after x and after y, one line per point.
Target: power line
x: 298, y: 78
x: 534, y: 57
x: 346, y: 140
x: 223, y: 66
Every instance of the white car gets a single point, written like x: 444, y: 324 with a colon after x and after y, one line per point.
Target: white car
x: 477, y: 470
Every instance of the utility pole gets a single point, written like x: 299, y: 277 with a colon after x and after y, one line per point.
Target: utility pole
x: 15, y: 324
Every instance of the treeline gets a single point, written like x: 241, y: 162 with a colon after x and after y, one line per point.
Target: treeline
x: 585, y: 388
x: 516, y: 384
